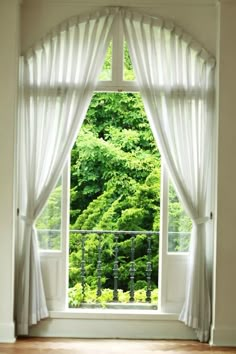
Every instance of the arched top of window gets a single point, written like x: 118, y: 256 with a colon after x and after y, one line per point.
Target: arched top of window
x: 161, y: 38
x: 113, y: 13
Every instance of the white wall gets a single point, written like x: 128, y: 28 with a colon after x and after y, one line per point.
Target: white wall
x: 8, y: 81
x: 224, y: 321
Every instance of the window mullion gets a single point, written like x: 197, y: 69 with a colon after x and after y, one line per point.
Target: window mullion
x: 117, y: 54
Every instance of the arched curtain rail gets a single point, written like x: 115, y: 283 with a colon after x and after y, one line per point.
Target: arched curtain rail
x: 172, y: 28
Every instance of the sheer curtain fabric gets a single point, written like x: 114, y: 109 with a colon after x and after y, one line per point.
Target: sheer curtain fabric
x: 175, y: 77
x: 58, y: 77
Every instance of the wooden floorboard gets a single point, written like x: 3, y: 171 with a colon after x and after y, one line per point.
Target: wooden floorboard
x: 107, y: 346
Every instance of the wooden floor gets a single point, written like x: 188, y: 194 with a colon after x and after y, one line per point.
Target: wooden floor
x: 108, y: 346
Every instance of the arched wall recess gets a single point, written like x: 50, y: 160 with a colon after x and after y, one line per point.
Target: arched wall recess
x: 175, y: 77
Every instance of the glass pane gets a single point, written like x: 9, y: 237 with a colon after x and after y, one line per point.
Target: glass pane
x: 49, y: 223
x: 128, y: 67
x: 106, y: 73
x: 179, y: 224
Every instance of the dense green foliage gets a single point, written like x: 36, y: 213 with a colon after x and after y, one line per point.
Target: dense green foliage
x: 114, y: 157
x: 115, y: 183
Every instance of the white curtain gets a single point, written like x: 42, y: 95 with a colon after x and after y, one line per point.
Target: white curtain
x: 176, y: 80
x: 57, y: 80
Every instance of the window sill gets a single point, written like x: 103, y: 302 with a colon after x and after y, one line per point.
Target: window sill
x: 97, y: 314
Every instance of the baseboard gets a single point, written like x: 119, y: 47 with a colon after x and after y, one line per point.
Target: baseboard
x: 7, y: 332
x: 224, y: 336
x: 123, y: 328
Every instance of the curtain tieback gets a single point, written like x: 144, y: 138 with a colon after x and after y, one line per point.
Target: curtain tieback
x: 201, y: 220
x: 28, y: 221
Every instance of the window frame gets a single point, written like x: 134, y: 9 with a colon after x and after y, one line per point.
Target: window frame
x: 117, y: 82
x: 168, y: 262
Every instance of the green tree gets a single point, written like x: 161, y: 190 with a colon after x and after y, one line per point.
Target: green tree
x: 116, y: 186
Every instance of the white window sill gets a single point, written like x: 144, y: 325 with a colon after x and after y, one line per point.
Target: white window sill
x: 118, y: 314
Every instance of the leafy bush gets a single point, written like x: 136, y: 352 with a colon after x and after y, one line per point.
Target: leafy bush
x: 76, y: 297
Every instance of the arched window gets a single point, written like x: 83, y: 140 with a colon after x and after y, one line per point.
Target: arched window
x: 175, y: 79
